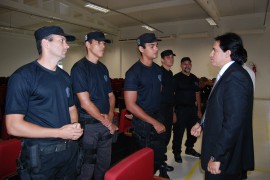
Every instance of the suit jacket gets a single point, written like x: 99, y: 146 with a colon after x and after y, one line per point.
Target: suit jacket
x: 227, y: 129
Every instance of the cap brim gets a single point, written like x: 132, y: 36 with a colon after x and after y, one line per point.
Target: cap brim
x: 103, y: 39
x: 68, y: 37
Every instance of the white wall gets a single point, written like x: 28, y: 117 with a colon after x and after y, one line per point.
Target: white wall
x: 18, y: 50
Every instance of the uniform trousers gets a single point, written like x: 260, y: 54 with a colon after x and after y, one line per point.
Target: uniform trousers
x: 146, y: 136
x: 47, y: 160
x: 167, y: 111
x: 186, y: 118
x: 96, y: 146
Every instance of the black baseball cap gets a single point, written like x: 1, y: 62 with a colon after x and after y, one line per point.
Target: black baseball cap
x: 166, y: 53
x: 45, y: 31
x: 185, y: 59
x: 99, y: 36
x: 147, y: 38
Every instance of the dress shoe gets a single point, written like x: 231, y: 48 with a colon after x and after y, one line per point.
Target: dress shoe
x: 169, y: 168
x: 163, y: 172
x: 192, y: 152
x: 178, y: 158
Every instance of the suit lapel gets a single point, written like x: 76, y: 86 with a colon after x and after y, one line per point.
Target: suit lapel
x: 225, y: 74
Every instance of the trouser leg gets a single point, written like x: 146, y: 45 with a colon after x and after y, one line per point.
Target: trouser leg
x: 146, y: 136
x: 178, y: 131
x: 49, y: 164
x: 167, y: 112
x: 89, y: 148
x: 103, y: 162
x: 192, y: 119
x: 209, y: 176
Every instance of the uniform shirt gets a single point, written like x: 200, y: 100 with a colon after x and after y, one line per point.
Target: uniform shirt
x: 185, y: 88
x: 42, y: 95
x: 167, y: 93
x: 147, y: 82
x: 94, y: 79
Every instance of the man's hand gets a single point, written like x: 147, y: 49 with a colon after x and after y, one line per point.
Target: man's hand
x: 159, y: 127
x: 71, y: 131
x: 196, y: 130
x: 106, y: 122
x: 213, y: 167
x: 112, y: 127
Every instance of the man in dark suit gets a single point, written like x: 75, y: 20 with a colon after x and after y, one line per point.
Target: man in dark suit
x: 227, y: 143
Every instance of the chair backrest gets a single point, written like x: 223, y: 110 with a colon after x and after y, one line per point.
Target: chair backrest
x: 124, y: 122
x: 137, y: 166
x: 4, y: 133
x: 9, y: 152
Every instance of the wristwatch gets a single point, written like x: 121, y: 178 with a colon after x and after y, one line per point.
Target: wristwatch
x: 213, y: 159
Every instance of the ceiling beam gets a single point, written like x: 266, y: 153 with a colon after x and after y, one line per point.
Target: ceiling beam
x: 210, y: 8
x: 153, y: 6
x: 84, y: 20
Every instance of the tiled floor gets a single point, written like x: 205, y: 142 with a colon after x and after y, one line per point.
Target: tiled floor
x: 190, y: 168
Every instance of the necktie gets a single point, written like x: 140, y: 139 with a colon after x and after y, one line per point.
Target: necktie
x: 217, y: 78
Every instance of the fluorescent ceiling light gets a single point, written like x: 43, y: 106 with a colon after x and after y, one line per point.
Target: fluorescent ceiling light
x: 211, y: 21
x: 96, y: 7
x: 148, y: 28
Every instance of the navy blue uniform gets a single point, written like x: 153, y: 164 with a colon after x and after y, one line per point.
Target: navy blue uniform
x: 185, y: 88
x: 96, y: 142
x: 44, y: 97
x: 147, y: 82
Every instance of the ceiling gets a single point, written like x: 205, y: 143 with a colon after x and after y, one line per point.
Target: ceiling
x: 170, y: 18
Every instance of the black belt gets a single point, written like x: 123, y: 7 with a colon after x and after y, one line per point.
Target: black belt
x: 56, y: 147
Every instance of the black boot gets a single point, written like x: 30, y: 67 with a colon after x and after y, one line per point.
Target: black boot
x: 163, y: 172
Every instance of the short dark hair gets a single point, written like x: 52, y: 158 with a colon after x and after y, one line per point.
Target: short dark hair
x: 38, y: 43
x: 233, y: 42
x: 185, y: 59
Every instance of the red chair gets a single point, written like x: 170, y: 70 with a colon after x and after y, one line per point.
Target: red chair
x: 4, y: 134
x: 137, y: 166
x: 124, y: 123
x: 9, y: 152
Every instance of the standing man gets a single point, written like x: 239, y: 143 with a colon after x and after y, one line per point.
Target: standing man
x: 95, y: 101
x: 187, y: 108
x: 227, y: 143
x: 142, y: 92
x: 40, y: 109
x: 167, y: 95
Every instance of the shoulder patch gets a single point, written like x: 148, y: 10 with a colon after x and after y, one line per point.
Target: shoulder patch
x: 159, y: 77
x: 106, y: 78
